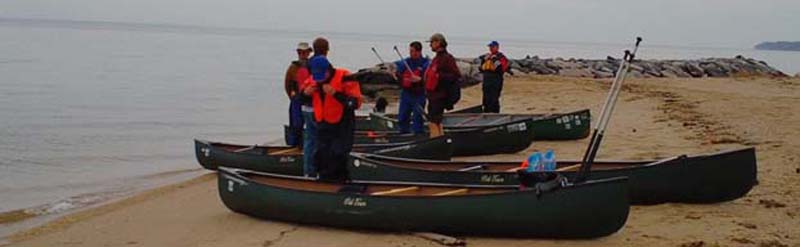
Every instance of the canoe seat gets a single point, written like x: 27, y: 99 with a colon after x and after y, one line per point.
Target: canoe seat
x: 395, y: 191
x: 452, y: 192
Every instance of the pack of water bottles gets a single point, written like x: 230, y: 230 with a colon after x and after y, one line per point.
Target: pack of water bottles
x: 538, y: 162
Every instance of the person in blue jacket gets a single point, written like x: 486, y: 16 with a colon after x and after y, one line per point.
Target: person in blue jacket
x: 412, y: 95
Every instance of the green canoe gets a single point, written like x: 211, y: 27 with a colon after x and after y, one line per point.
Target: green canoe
x: 561, y: 126
x: 508, y: 137
x: 588, y: 210
x: 706, y: 178
x: 289, y: 160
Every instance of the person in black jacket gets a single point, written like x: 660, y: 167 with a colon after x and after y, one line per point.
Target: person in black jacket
x: 493, y: 65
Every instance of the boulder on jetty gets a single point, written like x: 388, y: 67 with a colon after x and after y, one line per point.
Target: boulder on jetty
x: 379, y: 77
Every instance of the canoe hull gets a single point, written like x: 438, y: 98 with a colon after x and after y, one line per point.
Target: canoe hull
x: 563, y: 126
x: 706, y: 178
x: 562, y: 213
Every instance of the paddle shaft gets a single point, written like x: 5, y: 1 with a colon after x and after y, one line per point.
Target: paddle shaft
x: 608, y: 108
x: 402, y: 59
x: 377, y: 55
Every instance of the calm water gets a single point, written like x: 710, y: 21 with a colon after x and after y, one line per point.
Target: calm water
x: 94, y: 109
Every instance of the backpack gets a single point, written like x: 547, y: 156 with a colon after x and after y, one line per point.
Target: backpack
x: 454, y: 93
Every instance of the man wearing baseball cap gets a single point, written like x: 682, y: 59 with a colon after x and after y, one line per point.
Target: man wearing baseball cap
x: 335, y: 96
x: 493, y: 65
x: 295, y: 74
x: 442, y: 74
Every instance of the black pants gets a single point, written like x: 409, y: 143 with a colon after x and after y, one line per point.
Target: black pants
x: 334, y: 143
x: 492, y: 87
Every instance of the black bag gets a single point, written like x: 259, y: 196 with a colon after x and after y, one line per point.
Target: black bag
x: 453, y: 94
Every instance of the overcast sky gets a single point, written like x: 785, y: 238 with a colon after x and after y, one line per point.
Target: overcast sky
x: 717, y: 23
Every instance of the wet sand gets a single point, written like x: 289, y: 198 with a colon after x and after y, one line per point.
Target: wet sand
x: 655, y: 118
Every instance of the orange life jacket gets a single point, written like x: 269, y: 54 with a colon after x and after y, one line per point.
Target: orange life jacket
x: 331, y: 110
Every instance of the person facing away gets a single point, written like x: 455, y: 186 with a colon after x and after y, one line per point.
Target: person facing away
x: 412, y: 94
x: 321, y: 47
x: 335, y: 96
x: 296, y: 74
x: 441, y: 74
x: 492, y: 66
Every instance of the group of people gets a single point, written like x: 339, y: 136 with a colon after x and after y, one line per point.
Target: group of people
x: 323, y: 99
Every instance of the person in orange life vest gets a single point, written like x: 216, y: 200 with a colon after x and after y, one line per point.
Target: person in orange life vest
x: 492, y: 65
x: 412, y: 94
x: 440, y: 75
x: 296, y: 74
x: 335, y: 96
x: 321, y: 47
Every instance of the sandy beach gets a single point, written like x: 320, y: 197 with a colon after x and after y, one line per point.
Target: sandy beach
x: 655, y: 118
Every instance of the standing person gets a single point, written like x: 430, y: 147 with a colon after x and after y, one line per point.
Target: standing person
x: 412, y: 95
x: 296, y: 74
x: 441, y: 75
x: 321, y: 47
x: 335, y: 97
x: 493, y: 65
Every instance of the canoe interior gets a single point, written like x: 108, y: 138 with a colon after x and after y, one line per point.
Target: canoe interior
x: 266, y: 150
x: 405, y: 190
x: 495, y: 166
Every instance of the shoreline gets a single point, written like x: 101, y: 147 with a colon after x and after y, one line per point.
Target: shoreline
x: 654, y: 118
x: 69, y: 219
x: 25, y: 219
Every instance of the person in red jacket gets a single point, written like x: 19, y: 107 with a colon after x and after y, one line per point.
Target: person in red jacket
x: 442, y: 73
x: 493, y: 65
x: 334, y: 96
x: 296, y: 73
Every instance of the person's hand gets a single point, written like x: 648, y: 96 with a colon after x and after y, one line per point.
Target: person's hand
x: 415, y: 78
x: 309, y: 90
x: 328, y: 89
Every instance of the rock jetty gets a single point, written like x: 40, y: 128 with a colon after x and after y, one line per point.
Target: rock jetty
x: 379, y: 77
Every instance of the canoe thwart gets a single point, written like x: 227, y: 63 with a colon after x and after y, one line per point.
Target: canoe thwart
x: 569, y: 168
x: 472, y: 168
x: 285, y: 151
x: 452, y: 192
x: 244, y: 149
x: 395, y: 191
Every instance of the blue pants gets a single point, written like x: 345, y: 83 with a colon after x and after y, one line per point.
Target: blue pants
x: 309, y: 144
x: 294, y: 138
x: 410, y: 112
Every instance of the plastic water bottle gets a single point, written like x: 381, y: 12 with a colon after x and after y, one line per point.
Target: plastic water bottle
x: 534, y: 162
x: 549, y: 160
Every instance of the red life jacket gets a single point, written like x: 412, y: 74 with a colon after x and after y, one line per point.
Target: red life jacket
x: 331, y: 110
x: 407, y: 83
x: 301, y: 75
x: 432, y: 76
